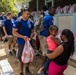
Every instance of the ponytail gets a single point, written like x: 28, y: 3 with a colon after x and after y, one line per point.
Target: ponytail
x: 70, y: 37
x: 71, y: 42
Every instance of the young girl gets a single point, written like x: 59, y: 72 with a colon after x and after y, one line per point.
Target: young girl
x: 61, y: 54
x: 52, y: 43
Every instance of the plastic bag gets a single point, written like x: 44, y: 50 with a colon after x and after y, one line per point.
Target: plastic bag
x: 28, y: 53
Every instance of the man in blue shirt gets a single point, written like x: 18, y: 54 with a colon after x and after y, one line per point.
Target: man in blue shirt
x: 7, y: 28
x: 22, y: 30
x: 2, y: 16
x: 20, y: 13
x: 48, y: 21
x: 1, y: 22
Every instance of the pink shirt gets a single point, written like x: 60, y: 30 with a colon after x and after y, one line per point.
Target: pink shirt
x: 51, y: 44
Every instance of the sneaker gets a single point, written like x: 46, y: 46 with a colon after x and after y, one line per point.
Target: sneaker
x: 14, y: 51
x: 28, y: 72
x: 36, y: 54
x: 21, y: 74
x: 40, y: 52
x: 40, y: 73
x: 10, y: 53
x: 5, y: 40
x: 45, y: 73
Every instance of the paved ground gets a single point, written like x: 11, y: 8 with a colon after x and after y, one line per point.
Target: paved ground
x: 34, y: 66
x: 70, y: 70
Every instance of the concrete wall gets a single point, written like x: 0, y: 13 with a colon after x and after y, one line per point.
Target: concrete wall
x: 64, y: 22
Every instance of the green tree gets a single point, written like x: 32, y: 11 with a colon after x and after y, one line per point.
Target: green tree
x: 8, y: 5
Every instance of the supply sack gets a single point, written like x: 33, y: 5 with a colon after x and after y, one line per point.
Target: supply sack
x: 28, y: 53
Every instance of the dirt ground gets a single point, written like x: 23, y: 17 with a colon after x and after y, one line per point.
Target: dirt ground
x: 34, y: 66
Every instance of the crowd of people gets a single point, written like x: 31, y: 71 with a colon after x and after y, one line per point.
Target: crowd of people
x: 60, y: 10
x: 55, y: 51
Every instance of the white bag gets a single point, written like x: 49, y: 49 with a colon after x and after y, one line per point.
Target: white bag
x: 28, y: 53
x: 5, y: 68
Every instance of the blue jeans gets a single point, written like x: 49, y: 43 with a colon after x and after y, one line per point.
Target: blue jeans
x: 46, y: 65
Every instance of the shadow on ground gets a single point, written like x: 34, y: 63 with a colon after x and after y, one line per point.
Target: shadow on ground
x: 14, y: 63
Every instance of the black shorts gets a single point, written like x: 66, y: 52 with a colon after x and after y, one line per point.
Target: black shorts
x: 20, y: 50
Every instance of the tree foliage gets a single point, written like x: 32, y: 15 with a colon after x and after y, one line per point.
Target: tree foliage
x: 23, y: 1
x: 8, y: 5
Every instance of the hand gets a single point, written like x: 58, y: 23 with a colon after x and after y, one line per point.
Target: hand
x: 29, y: 39
x: 25, y: 38
x: 58, y: 39
x: 46, y: 54
x: 32, y: 35
x: 6, y: 36
x: 52, y: 37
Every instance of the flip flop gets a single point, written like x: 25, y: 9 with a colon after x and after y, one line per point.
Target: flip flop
x: 40, y: 73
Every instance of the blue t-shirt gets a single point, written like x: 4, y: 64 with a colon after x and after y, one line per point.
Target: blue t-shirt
x: 8, y: 25
x: 48, y: 21
x: 2, y: 18
x: 25, y: 29
x: 19, y: 14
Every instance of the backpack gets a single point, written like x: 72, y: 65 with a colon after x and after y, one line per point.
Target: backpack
x: 39, y: 27
x: 19, y: 25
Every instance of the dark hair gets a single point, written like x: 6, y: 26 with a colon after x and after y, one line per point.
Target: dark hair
x: 45, y: 8
x: 43, y: 14
x: 51, y: 8
x: 52, y: 11
x: 9, y: 13
x: 53, y: 27
x: 68, y: 33
x: 25, y: 9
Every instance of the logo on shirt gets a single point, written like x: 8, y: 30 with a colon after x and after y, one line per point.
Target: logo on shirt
x: 14, y: 25
x: 45, y: 17
x: 29, y: 25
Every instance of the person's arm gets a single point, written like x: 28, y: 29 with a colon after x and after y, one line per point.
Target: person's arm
x: 50, y: 21
x: 56, y: 40
x: 59, y: 50
x: 4, y: 29
x: 15, y: 33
